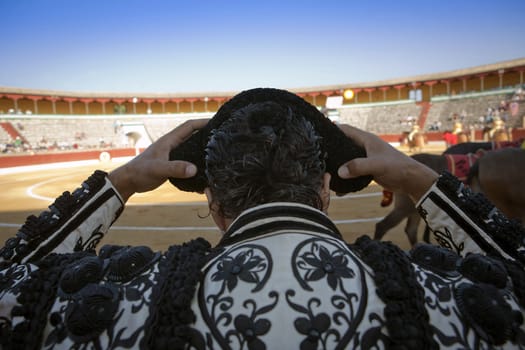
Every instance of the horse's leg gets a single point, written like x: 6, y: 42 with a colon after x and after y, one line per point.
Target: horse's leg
x: 412, y: 226
x: 388, y: 222
x: 402, y: 208
x: 420, y: 142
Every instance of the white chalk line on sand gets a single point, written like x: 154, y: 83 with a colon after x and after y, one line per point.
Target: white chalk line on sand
x: 30, y: 191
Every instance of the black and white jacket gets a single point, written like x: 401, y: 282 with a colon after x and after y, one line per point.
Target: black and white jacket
x: 281, y: 278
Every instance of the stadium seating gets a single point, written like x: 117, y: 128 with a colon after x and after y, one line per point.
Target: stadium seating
x: 471, y: 106
x: 68, y: 132
x: 380, y: 118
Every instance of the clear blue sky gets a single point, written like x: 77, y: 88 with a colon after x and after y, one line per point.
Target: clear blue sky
x: 196, y: 46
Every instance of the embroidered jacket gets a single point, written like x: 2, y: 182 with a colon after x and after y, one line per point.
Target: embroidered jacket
x: 281, y: 278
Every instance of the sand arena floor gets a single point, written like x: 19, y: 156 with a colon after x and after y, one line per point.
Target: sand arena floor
x: 167, y: 216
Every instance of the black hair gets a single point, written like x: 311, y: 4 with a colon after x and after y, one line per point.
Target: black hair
x: 264, y: 153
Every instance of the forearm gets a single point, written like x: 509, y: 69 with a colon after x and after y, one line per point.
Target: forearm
x: 74, y: 222
x: 419, y: 179
x: 122, y: 178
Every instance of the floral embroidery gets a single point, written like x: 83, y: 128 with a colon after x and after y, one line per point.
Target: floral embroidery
x: 251, y: 264
x: 11, y: 278
x: 445, y: 240
x: 313, y: 328
x: 251, y: 329
x: 333, y: 266
x: 246, y: 266
x: 91, y: 242
x: 320, y: 263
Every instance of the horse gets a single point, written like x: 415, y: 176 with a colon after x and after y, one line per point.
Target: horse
x: 501, y: 135
x: 462, y: 137
x: 500, y: 175
x: 497, y: 135
x: 505, y: 189
x: 473, y: 147
x: 417, y: 143
x: 468, y: 147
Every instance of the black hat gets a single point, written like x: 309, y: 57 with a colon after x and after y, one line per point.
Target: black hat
x: 335, y: 144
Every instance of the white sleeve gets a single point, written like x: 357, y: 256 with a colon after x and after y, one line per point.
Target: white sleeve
x: 74, y: 222
x: 467, y: 222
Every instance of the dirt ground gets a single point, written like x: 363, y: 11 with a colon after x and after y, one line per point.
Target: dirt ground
x: 168, y: 216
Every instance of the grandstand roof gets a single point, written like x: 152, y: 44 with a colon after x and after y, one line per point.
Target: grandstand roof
x: 493, y: 67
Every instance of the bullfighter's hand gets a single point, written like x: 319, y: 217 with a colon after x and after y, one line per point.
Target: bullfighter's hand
x: 152, y: 168
x: 389, y: 167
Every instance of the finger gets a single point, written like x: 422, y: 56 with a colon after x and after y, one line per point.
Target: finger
x: 345, y: 128
x: 354, y: 168
x: 357, y: 135
x: 184, y: 131
x: 177, y: 168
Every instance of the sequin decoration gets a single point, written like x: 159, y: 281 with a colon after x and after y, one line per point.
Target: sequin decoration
x: 91, y: 312
x: 129, y: 262
x: 79, y: 274
x: 487, y: 312
x: 479, y: 268
x: 437, y: 259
